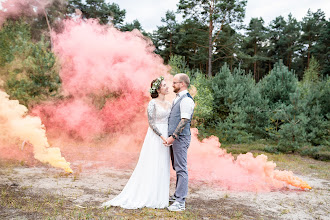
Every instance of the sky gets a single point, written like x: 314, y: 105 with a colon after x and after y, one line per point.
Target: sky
x: 150, y: 12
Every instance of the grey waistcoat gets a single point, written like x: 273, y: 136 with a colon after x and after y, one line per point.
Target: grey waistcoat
x: 175, y: 118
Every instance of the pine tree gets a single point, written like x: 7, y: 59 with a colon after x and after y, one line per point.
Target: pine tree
x: 166, y: 37
x: 227, y: 48
x: 292, y: 132
x: 204, y: 112
x: 134, y: 25
x: 277, y: 86
x: 311, y: 26
x: 311, y: 74
x: 320, y: 49
x: 99, y: 9
x: 30, y: 74
x: 254, y: 47
x: 315, y: 96
x: 214, y: 14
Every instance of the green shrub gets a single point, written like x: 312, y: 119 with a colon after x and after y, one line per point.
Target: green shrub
x: 31, y: 73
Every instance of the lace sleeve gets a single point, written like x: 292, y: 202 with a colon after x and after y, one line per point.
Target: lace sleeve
x: 152, y: 117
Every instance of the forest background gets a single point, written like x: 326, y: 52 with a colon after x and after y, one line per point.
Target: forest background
x: 256, y: 83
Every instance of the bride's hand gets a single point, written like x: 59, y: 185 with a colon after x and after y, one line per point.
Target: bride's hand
x: 164, y: 141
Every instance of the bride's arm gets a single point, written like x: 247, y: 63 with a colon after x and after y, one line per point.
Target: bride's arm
x: 152, y: 117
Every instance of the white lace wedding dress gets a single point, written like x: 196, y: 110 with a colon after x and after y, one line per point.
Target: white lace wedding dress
x: 149, y: 184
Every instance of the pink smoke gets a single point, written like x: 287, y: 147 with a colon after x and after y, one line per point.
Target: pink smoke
x: 95, y: 58
x: 208, y: 163
x: 105, y: 75
x: 16, y: 8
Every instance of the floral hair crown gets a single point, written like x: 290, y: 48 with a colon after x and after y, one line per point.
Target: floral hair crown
x: 156, y: 84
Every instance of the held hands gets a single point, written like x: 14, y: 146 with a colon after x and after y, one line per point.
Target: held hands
x: 167, y: 142
x: 170, y: 140
x: 164, y: 141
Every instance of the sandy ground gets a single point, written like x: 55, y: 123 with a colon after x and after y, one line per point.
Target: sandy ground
x: 99, y: 185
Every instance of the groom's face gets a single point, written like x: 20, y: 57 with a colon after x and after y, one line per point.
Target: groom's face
x: 176, y: 84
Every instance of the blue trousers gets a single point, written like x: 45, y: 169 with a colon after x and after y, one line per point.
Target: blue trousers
x: 179, y: 163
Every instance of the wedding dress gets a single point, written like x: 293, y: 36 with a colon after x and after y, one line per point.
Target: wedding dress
x: 149, y: 184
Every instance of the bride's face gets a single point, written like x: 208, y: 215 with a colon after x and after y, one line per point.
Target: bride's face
x: 163, y: 89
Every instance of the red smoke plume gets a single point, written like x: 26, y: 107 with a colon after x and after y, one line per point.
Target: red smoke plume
x: 16, y: 8
x: 106, y: 75
x: 209, y: 163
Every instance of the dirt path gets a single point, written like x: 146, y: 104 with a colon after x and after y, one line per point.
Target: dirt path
x: 93, y: 186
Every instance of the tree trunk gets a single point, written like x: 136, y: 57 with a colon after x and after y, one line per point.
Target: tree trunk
x: 50, y: 30
x: 170, y: 44
x: 210, y: 43
x: 308, y: 52
x: 210, y: 54
x: 290, y: 61
x: 255, y: 62
x: 289, y: 57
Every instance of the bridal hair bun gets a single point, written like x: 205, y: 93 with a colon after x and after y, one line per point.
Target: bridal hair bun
x: 155, y: 84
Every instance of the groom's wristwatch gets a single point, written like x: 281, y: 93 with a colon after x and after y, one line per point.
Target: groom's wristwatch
x: 173, y: 136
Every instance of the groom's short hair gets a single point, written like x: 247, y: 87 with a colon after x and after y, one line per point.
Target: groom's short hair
x: 184, y: 78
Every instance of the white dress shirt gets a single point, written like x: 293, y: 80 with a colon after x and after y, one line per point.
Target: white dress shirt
x: 186, y: 106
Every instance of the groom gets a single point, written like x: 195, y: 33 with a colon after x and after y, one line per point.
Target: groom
x: 179, y: 137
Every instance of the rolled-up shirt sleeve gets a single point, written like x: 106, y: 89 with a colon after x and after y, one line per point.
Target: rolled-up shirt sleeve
x: 187, y: 107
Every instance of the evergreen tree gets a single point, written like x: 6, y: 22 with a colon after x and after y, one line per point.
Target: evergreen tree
x: 277, y: 45
x: 99, y: 9
x: 318, y: 123
x: 192, y: 44
x: 248, y: 111
x: 29, y: 71
x: 10, y: 34
x: 284, y: 45
x: 214, y: 14
x: 134, y: 25
x: 292, y: 35
x: 277, y: 86
x: 292, y: 132
x: 254, y: 46
x: 203, y: 113
x: 311, y: 74
x: 321, y: 49
x: 49, y: 20
x: 315, y: 93
x: 166, y: 37
x: 312, y: 25
x: 178, y: 65
x: 226, y: 48
x: 234, y: 108
x: 218, y: 85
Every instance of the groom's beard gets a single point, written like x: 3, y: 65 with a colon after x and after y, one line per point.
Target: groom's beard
x: 176, y: 90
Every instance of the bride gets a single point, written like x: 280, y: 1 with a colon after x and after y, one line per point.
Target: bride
x: 149, y: 184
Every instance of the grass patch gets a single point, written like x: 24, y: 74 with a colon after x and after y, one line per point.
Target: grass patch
x: 26, y: 204
x: 11, y: 163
